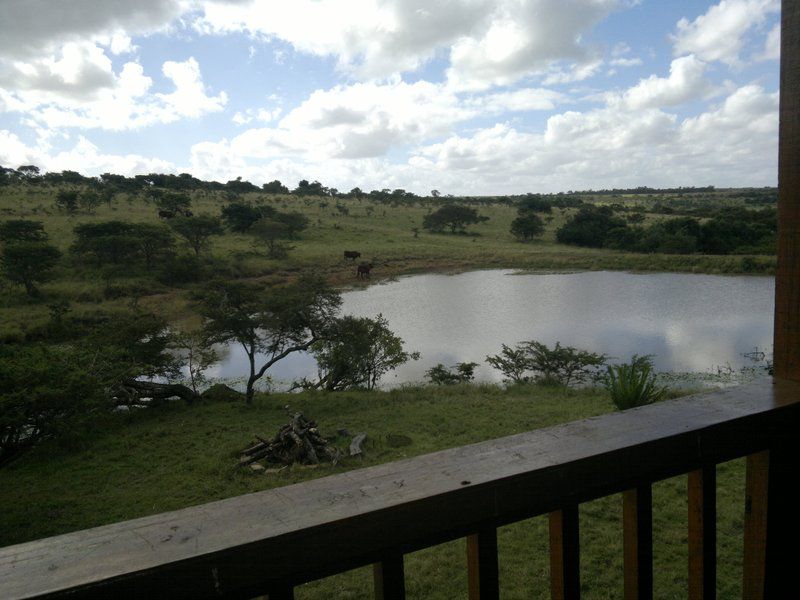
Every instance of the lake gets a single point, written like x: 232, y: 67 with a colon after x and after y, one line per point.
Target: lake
x: 690, y: 323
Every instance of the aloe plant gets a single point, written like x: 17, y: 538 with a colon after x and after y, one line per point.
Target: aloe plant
x: 634, y: 384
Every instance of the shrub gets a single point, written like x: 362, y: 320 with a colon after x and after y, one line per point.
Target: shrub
x: 560, y: 365
x: 460, y: 373
x: 634, y: 384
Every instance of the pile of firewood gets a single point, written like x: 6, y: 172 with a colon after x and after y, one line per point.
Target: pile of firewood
x: 297, y: 442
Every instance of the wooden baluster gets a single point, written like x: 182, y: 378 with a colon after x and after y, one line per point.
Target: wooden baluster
x: 755, y: 526
x: 482, y: 569
x: 637, y: 525
x: 565, y: 578
x: 702, y: 503
x: 389, y: 578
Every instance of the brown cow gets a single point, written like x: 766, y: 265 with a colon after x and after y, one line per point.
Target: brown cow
x: 351, y: 254
x: 362, y: 272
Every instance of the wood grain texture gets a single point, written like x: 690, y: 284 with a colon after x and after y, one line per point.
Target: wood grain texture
x: 702, y: 509
x: 755, y: 526
x: 787, y: 275
x: 637, y: 532
x: 241, y: 547
x: 483, y: 574
x: 565, y: 576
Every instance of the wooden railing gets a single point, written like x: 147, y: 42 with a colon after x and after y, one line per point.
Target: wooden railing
x: 269, y: 542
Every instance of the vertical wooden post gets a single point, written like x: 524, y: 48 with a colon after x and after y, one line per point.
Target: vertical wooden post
x: 702, y: 503
x: 390, y: 583
x: 637, y: 526
x: 565, y: 577
x: 482, y: 569
x: 755, y: 526
x: 787, y: 276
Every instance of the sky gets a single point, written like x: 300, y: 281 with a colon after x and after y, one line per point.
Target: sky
x: 463, y: 96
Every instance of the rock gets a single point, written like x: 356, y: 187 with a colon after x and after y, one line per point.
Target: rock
x: 219, y: 392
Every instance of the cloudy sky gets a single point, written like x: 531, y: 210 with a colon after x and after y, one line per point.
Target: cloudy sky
x: 465, y: 96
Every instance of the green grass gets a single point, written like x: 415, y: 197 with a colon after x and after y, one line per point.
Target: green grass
x: 175, y: 456
x: 384, y: 236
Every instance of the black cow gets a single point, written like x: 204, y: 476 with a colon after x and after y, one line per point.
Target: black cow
x: 362, y: 272
x: 166, y: 214
x: 351, y: 254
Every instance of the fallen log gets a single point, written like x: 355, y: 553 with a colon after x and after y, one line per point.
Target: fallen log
x: 158, y: 391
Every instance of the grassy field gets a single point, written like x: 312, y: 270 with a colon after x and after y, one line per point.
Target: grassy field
x: 383, y: 233
x: 173, y: 456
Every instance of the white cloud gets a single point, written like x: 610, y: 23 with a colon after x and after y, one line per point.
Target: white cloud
x: 126, y: 104
x: 83, y: 157
x: 367, y: 120
x: 772, y: 47
x: 626, y: 62
x: 686, y: 82
x: 33, y: 28
x: 719, y: 34
x: 489, y: 41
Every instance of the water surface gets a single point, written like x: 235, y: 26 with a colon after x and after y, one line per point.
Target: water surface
x: 688, y: 322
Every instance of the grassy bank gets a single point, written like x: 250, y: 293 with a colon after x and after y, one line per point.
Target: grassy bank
x: 173, y: 456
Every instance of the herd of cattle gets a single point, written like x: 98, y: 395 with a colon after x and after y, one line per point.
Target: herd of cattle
x: 363, y: 269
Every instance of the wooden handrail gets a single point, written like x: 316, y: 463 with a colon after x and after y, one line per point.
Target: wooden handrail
x: 273, y: 540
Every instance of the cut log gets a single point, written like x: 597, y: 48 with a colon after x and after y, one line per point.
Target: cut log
x: 357, y: 443
x: 298, y: 441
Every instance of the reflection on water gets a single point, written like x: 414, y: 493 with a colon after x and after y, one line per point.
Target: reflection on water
x: 689, y: 322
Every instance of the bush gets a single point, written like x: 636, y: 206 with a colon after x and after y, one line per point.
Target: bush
x: 634, y: 384
x: 460, y: 373
x: 560, y: 365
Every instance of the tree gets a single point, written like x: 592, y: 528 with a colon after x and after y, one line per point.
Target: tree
x: 152, y: 240
x: 22, y: 230
x: 357, y: 352
x: 511, y: 362
x: 527, y: 226
x: 589, y: 227
x: 175, y: 202
x: 271, y: 233
x: 310, y: 189
x: 107, y: 242
x: 29, y: 171
x: 435, y: 193
x: 295, y: 222
x: 239, y: 216
x: 196, y: 230
x: 89, y: 200
x: 28, y: 263
x: 197, y: 353
x: 534, y: 203
x: 274, y: 324
x: 43, y: 391
x: 67, y: 200
x: 456, y: 217
x: 460, y: 373
x: 275, y: 187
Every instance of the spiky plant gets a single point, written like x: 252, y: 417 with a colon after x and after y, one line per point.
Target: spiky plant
x: 634, y: 384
